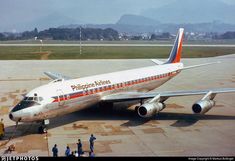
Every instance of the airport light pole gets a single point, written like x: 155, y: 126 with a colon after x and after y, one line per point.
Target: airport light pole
x: 41, y: 46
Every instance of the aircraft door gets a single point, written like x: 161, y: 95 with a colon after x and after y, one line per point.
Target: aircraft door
x: 61, y: 97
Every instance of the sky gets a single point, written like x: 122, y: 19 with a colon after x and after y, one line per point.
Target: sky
x: 97, y: 11
x: 16, y: 12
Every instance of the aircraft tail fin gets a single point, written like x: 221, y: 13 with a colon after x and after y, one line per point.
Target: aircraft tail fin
x: 176, y: 50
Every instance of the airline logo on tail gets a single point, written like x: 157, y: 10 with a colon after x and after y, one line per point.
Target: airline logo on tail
x: 175, y: 54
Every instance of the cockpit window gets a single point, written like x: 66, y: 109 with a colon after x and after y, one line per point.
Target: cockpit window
x: 36, y: 99
x: 40, y: 99
x: 30, y: 99
x: 24, y: 104
x: 27, y: 102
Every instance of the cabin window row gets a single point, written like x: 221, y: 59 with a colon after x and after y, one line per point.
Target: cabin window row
x: 120, y: 85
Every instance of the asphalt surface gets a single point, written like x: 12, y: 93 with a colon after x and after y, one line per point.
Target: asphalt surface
x: 120, y: 132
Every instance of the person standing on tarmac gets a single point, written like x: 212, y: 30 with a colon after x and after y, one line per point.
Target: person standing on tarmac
x: 67, y: 151
x: 92, y: 139
x: 55, y: 151
x: 79, y: 144
x: 2, y: 129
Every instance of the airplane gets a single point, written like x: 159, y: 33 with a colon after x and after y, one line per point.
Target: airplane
x: 65, y: 95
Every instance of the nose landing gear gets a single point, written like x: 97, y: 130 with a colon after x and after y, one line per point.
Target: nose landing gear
x: 43, y: 128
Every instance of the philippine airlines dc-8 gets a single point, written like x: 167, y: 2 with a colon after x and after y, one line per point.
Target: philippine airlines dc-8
x: 65, y: 95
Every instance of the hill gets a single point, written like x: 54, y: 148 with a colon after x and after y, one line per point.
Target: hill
x: 129, y: 19
x: 193, y: 11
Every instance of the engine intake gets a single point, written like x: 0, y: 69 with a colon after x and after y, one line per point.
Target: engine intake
x: 150, y: 109
x: 203, y: 106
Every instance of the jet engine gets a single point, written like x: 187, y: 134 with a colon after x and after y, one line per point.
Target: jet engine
x: 150, y: 109
x: 203, y: 106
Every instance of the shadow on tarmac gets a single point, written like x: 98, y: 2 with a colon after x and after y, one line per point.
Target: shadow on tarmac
x: 97, y: 113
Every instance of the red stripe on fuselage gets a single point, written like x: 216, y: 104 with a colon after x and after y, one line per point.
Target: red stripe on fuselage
x: 115, y: 87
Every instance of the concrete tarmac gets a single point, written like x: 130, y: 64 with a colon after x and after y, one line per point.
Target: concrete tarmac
x: 120, y: 132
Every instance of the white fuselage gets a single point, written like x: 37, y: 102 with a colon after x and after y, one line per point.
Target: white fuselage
x: 65, y: 96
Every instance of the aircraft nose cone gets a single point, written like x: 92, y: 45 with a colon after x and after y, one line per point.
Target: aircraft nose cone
x: 14, y: 118
x: 11, y: 116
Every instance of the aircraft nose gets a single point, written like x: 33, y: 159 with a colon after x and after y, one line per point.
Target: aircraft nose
x: 11, y: 116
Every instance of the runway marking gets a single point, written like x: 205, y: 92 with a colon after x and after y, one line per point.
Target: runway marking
x: 3, y: 99
x: 4, y: 110
x: 100, y: 146
x: 174, y: 106
x: 153, y: 130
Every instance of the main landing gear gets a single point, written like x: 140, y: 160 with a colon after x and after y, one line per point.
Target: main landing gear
x: 43, y: 127
x: 106, y: 106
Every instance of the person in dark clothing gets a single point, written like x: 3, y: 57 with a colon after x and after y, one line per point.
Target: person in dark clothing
x: 67, y: 151
x: 79, y: 144
x: 72, y: 154
x: 92, y: 139
x: 91, y: 154
x: 55, y: 151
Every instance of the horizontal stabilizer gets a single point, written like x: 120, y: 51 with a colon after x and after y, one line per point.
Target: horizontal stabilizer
x: 54, y: 75
x: 158, y: 62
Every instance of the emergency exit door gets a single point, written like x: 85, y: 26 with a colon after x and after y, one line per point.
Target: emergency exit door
x: 61, y: 97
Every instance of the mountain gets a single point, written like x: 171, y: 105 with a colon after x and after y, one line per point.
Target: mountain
x: 193, y: 11
x: 137, y: 20
x: 52, y: 20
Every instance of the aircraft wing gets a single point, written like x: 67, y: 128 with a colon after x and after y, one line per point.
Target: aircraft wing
x: 54, y: 75
x: 199, y: 65
x: 128, y: 96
